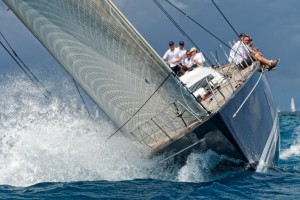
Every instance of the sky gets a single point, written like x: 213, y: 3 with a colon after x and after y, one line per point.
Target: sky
x: 273, y: 24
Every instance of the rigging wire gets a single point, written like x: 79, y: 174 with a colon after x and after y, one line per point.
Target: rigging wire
x: 45, y: 95
x: 205, y: 29
x: 142, y: 105
x: 198, y: 24
x: 81, y: 97
x: 225, y: 17
x: 32, y: 77
x: 220, y: 11
x: 29, y: 73
x: 178, y: 27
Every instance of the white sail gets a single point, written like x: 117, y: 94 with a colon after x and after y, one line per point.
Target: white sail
x: 109, y: 59
x: 293, y: 108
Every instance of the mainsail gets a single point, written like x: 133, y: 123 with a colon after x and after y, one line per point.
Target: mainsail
x: 293, y: 108
x: 111, y: 61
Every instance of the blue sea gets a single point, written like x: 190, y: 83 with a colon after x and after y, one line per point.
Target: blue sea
x: 54, y: 150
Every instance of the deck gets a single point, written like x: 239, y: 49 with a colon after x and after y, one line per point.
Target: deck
x: 176, y: 120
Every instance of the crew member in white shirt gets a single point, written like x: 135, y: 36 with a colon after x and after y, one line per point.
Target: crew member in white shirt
x: 240, y: 53
x: 234, y: 48
x: 244, y: 55
x: 173, y: 57
x: 197, y: 58
x: 182, y: 52
x: 188, y: 62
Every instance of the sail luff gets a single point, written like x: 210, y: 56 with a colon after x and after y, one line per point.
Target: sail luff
x: 107, y: 57
x: 137, y: 33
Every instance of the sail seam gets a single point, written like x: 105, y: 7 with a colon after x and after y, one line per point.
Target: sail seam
x: 141, y: 106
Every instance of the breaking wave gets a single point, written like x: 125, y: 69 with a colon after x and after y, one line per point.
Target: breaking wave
x: 57, y: 141
x: 294, y: 149
x: 49, y: 141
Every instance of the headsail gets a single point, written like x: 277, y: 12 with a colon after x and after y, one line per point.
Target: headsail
x: 110, y: 60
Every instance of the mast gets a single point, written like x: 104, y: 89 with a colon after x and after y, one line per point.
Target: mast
x: 293, y: 108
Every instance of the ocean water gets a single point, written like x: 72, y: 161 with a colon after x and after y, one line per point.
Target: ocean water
x: 54, y: 150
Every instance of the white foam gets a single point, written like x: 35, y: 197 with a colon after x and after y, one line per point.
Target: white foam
x: 56, y: 141
x: 294, y: 149
x: 199, y: 167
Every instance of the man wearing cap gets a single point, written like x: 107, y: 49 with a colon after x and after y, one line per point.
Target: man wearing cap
x: 197, y: 58
x: 182, y: 52
x: 173, y: 57
x: 188, y: 62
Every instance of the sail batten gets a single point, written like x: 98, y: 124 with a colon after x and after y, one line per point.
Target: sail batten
x: 107, y: 57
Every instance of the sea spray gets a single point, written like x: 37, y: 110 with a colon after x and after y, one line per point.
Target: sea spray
x: 56, y: 141
x: 49, y: 141
x: 294, y: 148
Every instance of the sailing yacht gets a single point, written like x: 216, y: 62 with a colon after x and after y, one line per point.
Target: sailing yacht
x: 293, y: 108
x: 293, y: 111
x: 226, y: 109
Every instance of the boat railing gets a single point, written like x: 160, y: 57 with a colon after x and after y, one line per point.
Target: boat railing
x: 166, y: 125
x: 176, y: 119
x: 220, y: 92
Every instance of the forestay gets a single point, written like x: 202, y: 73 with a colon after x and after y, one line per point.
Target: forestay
x: 109, y: 59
